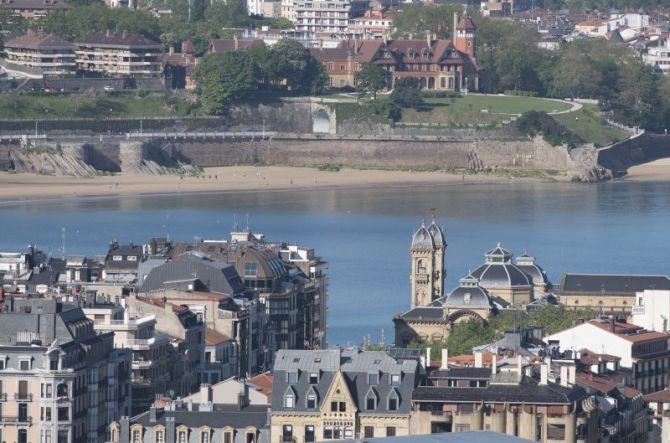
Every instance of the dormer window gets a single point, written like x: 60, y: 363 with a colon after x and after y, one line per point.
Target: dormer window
x: 393, y: 400
x: 132, y: 258
x: 373, y: 379
x: 292, y: 377
x: 395, y: 379
x: 117, y: 258
x: 289, y: 399
x: 371, y: 400
x: 313, y: 378
x: 312, y: 399
x: 251, y: 269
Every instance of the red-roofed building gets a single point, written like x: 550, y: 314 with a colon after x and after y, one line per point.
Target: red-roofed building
x: 33, y: 9
x: 220, y: 357
x: 119, y: 54
x: 220, y: 45
x: 179, y: 67
x: 644, y: 352
x: 438, y: 64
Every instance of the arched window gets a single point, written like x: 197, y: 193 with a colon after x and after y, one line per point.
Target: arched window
x: 421, y: 266
x: 61, y: 390
x: 393, y: 400
x: 371, y: 400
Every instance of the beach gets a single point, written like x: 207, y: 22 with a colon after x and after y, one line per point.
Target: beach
x: 24, y: 186
x: 658, y: 170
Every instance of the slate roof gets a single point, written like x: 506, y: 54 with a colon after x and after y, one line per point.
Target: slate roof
x: 118, y: 39
x: 500, y: 274
x: 528, y: 391
x: 355, y: 366
x: 222, y: 416
x: 422, y: 239
x: 466, y: 373
x: 39, y: 40
x: 428, y: 313
x: 448, y: 437
x: 468, y: 294
x: 124, y: 251
x: 612, y: 284
x: 215, y: 276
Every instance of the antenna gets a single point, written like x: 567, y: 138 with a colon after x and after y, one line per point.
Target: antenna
x: 247, y: 222
x: 235, y: 225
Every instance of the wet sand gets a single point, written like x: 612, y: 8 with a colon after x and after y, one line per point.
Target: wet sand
x: 22, y: 186
x: 658, y: 170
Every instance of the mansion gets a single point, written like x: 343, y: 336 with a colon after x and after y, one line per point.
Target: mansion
x: 444, y: 65
x: 499, y: 283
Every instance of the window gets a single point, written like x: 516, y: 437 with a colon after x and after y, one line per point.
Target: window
x: 393, y: 401
x: 24, y: 365
x: 292, y: 377
x: 373, y: 379
x: 309, y: 434
x: 289, y: 400
x: 390, y: 431
x: 23, y: 436
x: 463, y: 428
x: 371, y: 401
x: 369, y: 432
x: 160, y: 437
x: 137, y: 436
x: 313, y: 378
x: 63, y: 414
x: 117, y: 258
x: 328, y: 433
x: 204, y: 437
x: 181, y: 437
x: 250, y: 269
x: 421, y: 267
x: 555, y: 432
x: 395, y: 379
x: 311, y: 401
x: 45, y: 414
x: 2, y: 363
x: 333, y: 407
x: 132, y: 258
x: 228, y: 437
x: 287, y: 433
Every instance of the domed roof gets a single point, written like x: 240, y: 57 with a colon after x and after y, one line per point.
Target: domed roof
x: 468, y: 294
x: 438, y: 236
x: 422, y: 239
x: 498, y: 271
x: 527, y: 264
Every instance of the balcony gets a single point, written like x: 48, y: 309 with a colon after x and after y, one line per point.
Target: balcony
x: 422, y: 279
x: 637, y: 310
x: 8, y: 419
x: 146, y: 343
x: 22, y: 396
x: 142, y: 364
x: 3, y: 396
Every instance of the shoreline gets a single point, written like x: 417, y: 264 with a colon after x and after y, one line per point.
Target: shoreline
x: 656, y: 171
x: 27, y: 187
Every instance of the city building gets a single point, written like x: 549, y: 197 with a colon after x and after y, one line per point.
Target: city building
x: 512, y: 401
x: 220, y: 45
x: 607, y: 294
x: 658, y: 56
x: 652, y: 310
x: 644, y: 353
x: 472, y: 437
x: 229, y: 392
x: 153, y: 355
x: 60, y: 381
x: 33, y: 9
x: 38, y: 54
x: 335, y: 394
x: 179, y: 67
x: 119, y: 54
x: 326, y: 16
x: 121, y: 262
x: 497, y: 8
x: 502, y: 278
x: 186, y: 331
x: 428, y: 268
x: 182, y: 422
x: 373, y: 24
x: 220, y: 357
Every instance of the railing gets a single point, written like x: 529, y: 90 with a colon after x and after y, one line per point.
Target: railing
x: 14, y: 419
x: 158, y: 339
x: 130, y: 322
x: 637, y: 310
x: 23, y: 397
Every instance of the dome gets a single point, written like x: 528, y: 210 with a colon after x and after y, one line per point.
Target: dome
x: 527, y: 265
x: 422, y: 239
x: 438, y: 235
x: 500, y: 275
x: 468, y: 294
x: 498, y: 255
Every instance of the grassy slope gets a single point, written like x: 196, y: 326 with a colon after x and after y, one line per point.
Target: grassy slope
x: 589, y: 126
x: 86, y: 106
x: 467, y: 110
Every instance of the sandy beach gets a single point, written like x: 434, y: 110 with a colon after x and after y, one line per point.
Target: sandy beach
x: 17, y: 186
x: 658, y: 170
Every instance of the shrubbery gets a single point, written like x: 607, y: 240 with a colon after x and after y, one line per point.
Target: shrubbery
x: 539, y: 122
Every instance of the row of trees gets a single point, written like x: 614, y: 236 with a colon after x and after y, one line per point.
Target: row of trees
x: 230, y: 77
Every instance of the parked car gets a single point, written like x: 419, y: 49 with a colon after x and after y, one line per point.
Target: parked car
x: 108, y: 88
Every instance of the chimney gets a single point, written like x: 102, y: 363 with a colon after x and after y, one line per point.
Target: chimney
x: 237, y: 44
x: 169, y: 427
x: 124, y: 35
x: 429, y: 38
x: 453, y: 31
x: 479, y: 360
x: 572, y: 375
x: 152, y: 414
x: 544, y: 374
x: 108, y: 34
x: 205, y: 393
x: 171, y: 50
x: 428, y: 356
x: 494, y: 363
x: 564, y: 376
x: 125, y: 429
x: 445, y: 359
x: 518, y: 365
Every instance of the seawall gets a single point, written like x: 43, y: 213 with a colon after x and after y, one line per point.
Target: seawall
x: 642, y: 148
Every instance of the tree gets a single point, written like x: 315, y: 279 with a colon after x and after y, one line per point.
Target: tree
x: 406, y: 93
x: 290, y: 63
x: 224, y: 78
x: 575, y: 77
x: 372, y: 78
x: 638, y: 102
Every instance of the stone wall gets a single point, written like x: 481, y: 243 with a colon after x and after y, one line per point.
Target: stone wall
x: 636, y: 150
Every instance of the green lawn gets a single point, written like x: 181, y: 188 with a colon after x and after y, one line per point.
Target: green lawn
x: 588, y: 124
x: 88, y: 106
x: 482, y: 110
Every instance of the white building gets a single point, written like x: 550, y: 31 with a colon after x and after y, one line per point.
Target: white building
x: 644, y: 352
x: 331, y: 16
x: 652, y: 310
x: 659, y: 56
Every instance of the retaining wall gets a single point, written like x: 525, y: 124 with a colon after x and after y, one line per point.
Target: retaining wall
x: 636, y: 150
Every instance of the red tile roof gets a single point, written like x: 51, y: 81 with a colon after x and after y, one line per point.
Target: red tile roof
x: 465, y: 23
x: 630, y: 332
x: 662, y: 396
x: 213, y: 337
x: 38, y: 40
x: 264, y: 383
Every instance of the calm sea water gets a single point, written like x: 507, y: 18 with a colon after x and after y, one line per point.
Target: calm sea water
x: 365, y: 233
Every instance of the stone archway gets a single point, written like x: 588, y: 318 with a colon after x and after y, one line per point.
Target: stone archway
x: 321, y: 122
x: 465, y: 315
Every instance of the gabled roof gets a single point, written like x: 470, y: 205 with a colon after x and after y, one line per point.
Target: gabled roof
x: 39, y: 40
x: 465, y: 23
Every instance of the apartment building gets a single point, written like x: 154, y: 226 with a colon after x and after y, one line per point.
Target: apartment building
x: 327, y: 16
x: 60, y: 380
x: 644, y: 353
x: 38, y: 54
x: 119, y: 54
x: 334, y: 394
x: 659, y: 56
x: 33, y: 9
x: 153, y: 355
